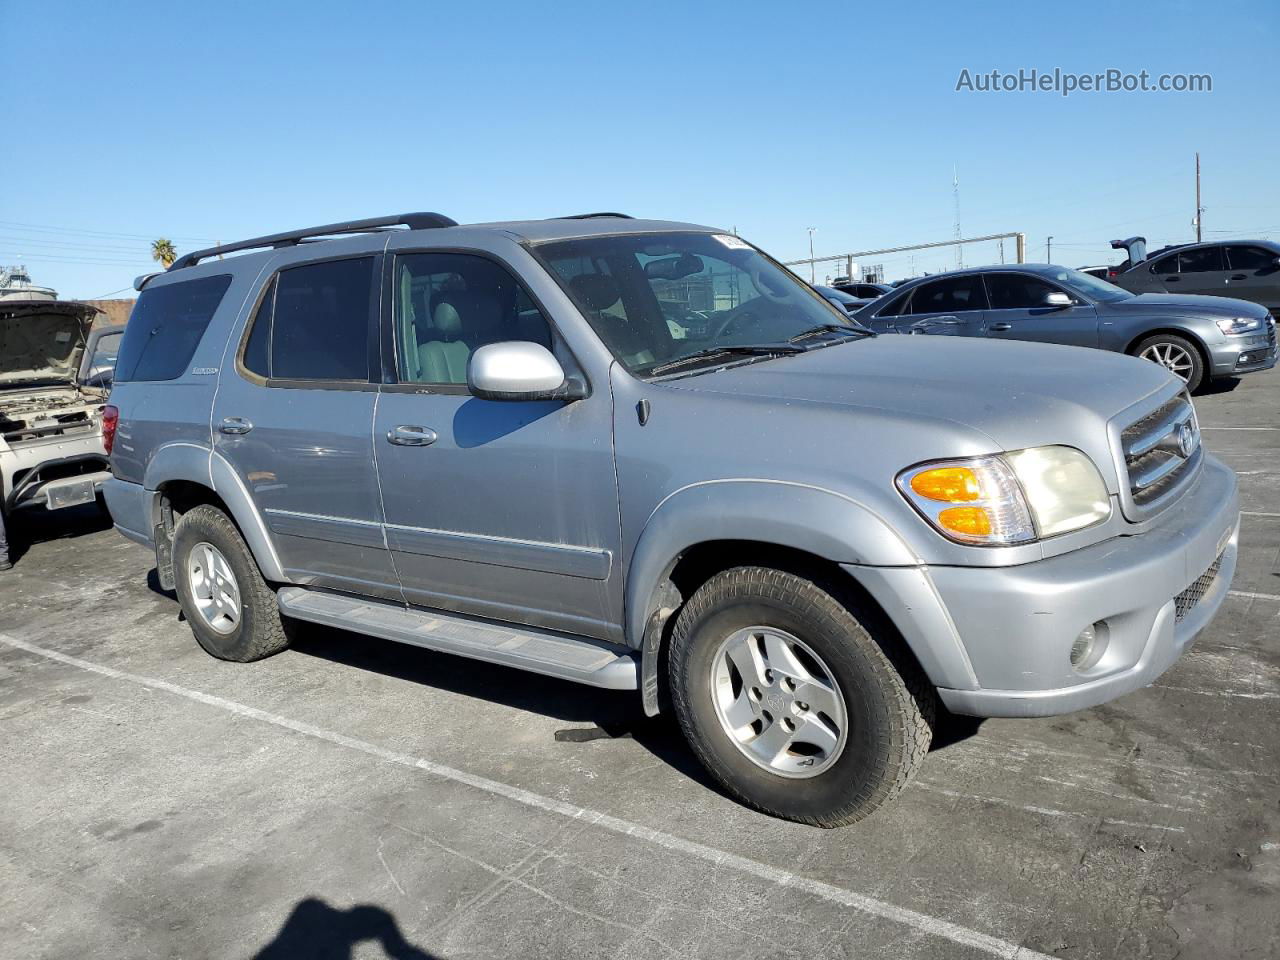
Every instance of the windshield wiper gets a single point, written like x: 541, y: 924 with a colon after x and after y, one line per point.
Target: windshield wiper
x: 844, y: 328
x: 744, y: 349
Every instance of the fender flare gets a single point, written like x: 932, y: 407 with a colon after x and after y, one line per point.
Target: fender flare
x: 200, y: 465
x: 822, y: 522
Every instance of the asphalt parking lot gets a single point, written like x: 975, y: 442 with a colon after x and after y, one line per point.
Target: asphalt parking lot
x: 352, y: 797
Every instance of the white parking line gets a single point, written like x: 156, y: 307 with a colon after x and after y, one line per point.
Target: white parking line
x: 1203, y: 427
x: 1256, y: 513
x: 718, y: 858
x: 1252, y: 596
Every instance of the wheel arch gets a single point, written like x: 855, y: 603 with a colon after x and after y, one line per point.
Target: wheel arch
x: 703, y: 529
x: 185, y: 475
x: 1189, y: 335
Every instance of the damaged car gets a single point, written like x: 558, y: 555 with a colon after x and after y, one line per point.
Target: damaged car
x: 51, y: 450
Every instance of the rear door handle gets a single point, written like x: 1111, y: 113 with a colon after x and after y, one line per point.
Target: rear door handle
x: 1001, y: 326
x: 235, y: 426
x: 1239, y: 276
x: 411, y: 435
x: 1170, y: 279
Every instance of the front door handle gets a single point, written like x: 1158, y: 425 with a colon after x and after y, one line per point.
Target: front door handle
x: 1170, y: 279
x: 1001, y: 326
x: 1239, y: 276
x: 235, y: 426
x: 410, y: 435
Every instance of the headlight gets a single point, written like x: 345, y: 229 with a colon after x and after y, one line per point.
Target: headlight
x: 1012, y: 498
x: 1233, y: 325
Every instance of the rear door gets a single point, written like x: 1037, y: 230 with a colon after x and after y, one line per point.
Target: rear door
x: 1202, y: 270
x: 1018, y: 312
x: 1254, y: 274
x: 949, y: 306
x: 1159, y: 277
x: 294, y: 419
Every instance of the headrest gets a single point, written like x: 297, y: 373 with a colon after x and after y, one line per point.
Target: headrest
x: 598, y: 291
x: 446, y: 320
x: 455, y: 311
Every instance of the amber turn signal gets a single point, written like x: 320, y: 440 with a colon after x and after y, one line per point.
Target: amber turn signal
x: 972, y: 521
x: 947, y: 484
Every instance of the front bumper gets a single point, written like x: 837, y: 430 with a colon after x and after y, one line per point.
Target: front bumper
x: 1011, y: 629
x: 1248, y: 353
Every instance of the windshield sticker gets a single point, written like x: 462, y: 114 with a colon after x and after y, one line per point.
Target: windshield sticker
x: 733, y: 243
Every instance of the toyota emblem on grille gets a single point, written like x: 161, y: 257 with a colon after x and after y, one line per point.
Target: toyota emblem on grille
x: 1186, y: 440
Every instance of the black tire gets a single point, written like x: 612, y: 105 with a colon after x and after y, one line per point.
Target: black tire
x: 260, y: 631
x: 1195, y: 378
x: 890, y: 708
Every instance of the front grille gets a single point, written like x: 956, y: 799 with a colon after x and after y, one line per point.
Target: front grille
x: 1161, y: 451
x: 1186, y: 601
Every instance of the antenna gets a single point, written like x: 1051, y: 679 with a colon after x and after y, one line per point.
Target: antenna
x: 955, y: 191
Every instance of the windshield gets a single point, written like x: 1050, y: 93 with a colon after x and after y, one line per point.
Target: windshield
x: 656, y: 298
x: 1088, y: 285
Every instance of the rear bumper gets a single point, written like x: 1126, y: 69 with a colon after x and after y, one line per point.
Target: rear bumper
x: 1011, y: 629
x: 130, y: 505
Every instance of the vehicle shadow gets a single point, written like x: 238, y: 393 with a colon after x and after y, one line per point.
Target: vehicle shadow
x: 31, y: 526
x: 612, y: 713
x: 1215, y: 387
x: 316, y: 931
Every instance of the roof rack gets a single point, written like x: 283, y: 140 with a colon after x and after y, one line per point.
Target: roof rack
x: 414, y: 221
x: 595, y: 216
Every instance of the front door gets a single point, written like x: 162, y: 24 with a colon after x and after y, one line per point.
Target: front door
x: 1018, y: 312
x: 506, y: 510
x: 294, y: 420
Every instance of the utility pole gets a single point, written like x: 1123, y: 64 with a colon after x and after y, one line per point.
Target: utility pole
x: 1199, y: 209
x: 1048, y: 249
x: 955, y: 191
x: 813, y: 277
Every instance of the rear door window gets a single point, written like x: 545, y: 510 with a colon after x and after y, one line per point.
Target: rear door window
x: 1200, y: 261
x: 166, y: 326
x: 952, y: 295
x: 314, y: 323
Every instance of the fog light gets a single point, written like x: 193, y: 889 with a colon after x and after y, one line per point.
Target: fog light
x: 1089, y: 646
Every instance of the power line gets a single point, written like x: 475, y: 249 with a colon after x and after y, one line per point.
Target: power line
x: 47, y: 228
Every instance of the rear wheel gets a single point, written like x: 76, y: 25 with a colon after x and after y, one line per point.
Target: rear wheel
x: 229, y: 606
x: 789, y: 701
x: 1176, y: 354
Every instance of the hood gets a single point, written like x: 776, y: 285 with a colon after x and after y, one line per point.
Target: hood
x: 1185, y: 305
x: 1017, y: 394
x: 42, y: 341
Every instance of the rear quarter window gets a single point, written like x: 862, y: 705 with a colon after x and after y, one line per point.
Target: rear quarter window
x: 166, y: 326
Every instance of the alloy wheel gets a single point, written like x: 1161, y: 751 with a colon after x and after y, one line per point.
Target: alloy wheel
x: 1172, y: 357
x: 778, y: 702
x: 214, y: 587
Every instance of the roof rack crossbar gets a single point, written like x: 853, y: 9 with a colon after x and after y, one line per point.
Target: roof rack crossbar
x: 595, y: 216
x: 414, y: 221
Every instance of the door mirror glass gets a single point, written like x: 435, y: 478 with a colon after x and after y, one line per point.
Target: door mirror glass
x: 519, y: 370
x: 1057, y: 298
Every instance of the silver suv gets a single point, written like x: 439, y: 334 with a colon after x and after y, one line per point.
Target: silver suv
x: 644, y: 456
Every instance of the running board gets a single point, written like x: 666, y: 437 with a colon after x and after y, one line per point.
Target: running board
x: 579, y: 659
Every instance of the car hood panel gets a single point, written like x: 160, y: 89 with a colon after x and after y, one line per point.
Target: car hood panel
x: 1016, y: 394
x: 41, y: 341
x: 1184, y: 305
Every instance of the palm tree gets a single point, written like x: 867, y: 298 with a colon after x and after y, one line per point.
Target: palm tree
x: 162, y: 251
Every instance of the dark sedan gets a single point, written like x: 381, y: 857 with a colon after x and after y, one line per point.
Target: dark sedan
x: 1245, y: 269
x: 1198, y: 338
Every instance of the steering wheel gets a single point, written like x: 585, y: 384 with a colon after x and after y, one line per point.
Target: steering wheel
x: 737, y: 320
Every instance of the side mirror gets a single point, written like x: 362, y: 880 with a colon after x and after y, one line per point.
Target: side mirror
x: 1057, y: 299
x: 520, y: 370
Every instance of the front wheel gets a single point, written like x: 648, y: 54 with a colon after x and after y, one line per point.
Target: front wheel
x: 790, y: 703
x: 1177, y: 355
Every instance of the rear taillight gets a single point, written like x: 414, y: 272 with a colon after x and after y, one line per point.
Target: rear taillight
x: 110, y: 420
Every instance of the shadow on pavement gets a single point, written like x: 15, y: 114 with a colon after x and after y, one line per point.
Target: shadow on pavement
x: 317, y: 931
x: 33, y: 525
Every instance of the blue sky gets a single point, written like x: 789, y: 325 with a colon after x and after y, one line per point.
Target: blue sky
x: 219, y: 121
